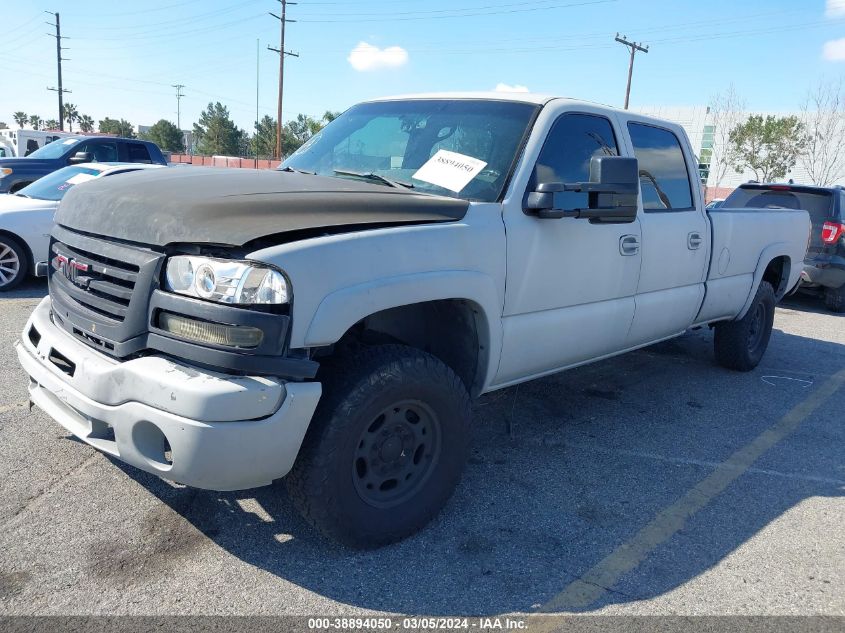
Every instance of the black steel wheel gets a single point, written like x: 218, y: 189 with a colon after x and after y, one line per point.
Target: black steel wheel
x: 396, y: 453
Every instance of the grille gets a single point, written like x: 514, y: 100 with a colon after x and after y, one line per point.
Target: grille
x: 97, y: 283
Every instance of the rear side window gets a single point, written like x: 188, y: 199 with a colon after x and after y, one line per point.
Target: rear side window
x: 138, y: 153
x: 572, y: 142
x: 664, y: 179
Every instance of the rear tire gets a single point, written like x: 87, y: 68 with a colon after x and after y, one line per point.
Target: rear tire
x: 740, y: 345
x: 834, y: 299
x: 385, y: 449
x: 14, y: 263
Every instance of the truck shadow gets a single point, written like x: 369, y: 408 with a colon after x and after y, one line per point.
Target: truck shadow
x: 808, y: 303
x: 592, y: 456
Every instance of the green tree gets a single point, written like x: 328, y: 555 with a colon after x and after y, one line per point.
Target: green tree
x: 86, y: 123
x: 216, y: 133
x: 36, y: 121
x: 21, y: 118
x: 303, y: 127
x: 263, y: 142
x: 769, y: 146
x: 166, y: 135
x: 51, y: 124
x: 71, y: 114
x: 121, y: 128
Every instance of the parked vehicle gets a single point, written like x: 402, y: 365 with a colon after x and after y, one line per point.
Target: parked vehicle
x: 715, y: 203
x: 17, y: 173
x: 26, y: 218
x: 824, y: 265
x: 331, y: 321
x: 20, y: 143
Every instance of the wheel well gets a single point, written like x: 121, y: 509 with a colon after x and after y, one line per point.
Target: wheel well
x: 29, y: 257
x: 18, y: 186
x: 777, y: 274
x: 453, y: 330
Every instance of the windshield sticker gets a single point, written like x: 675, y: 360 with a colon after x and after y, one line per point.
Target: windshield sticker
x: 78, y: 179
x: 450, y: 170
x: 70, y: 141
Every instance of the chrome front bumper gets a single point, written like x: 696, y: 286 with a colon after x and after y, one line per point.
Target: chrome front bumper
x: 196, y: 427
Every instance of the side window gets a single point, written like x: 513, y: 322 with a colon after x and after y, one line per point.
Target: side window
x: 138, y: 153
x: 572, y: 142
x: 102, y: 152
x: 664, y: 180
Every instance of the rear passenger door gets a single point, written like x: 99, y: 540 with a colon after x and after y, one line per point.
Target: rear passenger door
x: 136, y: 153
x: 675, y: 240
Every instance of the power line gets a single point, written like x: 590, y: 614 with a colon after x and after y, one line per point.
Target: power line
x: 634, y: 46
x: 283, y: 19
x: 59, y: 59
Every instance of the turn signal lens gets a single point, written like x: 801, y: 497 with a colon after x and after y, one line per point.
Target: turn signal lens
x: 210, y: 333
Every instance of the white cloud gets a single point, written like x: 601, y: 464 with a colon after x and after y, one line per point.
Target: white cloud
x: 500, y: 87
x: 834, y: 50
x: 834, y: 8
x: 366, y: 57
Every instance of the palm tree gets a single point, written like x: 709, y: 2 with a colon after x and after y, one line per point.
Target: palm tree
x: 36, y: 122
x: 51, y: 124
x: 71, y: 114
x: 21, y: 118
x: 86, y: 123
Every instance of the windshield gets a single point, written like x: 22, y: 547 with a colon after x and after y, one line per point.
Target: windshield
x: 459, y: 148
x: 816, y: 204
x: 54, y: 186
x: 56, y: 149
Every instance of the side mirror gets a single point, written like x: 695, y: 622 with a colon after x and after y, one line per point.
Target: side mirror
x: 611, y: 193
x: 81, y: 157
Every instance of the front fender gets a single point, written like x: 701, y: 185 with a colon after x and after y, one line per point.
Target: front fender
x: 343, y: 308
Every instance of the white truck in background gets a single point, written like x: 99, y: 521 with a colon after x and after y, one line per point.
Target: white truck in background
x: 21, y: 143
x: 330, y: 322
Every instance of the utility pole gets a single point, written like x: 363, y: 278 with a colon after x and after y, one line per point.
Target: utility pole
x: 282, y: 54
x: 634, y: 46
x: 179, y: 95
x: 59, y: 59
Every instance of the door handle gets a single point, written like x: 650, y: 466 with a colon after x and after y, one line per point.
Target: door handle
x: 694, y: 241
x: 629, y: 245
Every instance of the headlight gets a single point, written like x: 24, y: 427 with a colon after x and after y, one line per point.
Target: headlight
x: 5, y: 171
x: 225, y: 280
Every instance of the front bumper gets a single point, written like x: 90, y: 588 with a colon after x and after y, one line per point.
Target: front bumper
x: 196, y: 427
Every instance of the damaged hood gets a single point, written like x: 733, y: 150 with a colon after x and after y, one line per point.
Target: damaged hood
x: 235, y: 206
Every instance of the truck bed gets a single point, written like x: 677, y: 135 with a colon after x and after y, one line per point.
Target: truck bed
x: 741, y: 239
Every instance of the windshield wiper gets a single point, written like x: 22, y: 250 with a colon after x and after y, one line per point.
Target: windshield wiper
x: 374, y: 176
x: 22, y: 195
x: 297, y: 171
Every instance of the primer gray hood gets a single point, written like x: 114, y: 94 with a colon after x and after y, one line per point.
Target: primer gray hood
x: 235, y: 206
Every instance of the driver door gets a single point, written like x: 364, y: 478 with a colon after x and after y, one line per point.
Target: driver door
x: 570, y: 282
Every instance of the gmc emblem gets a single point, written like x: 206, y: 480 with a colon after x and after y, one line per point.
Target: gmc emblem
x: 71, y: 268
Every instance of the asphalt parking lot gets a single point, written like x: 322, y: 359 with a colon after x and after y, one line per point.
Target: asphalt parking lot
x: 653, y: 483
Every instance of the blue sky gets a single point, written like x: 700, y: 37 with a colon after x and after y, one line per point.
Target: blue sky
x: 125, y: 55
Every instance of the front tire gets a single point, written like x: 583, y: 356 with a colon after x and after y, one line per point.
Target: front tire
x: 834, y: 299
x: 14, y: 263
x: 740, y: 345
x: 386, y: 447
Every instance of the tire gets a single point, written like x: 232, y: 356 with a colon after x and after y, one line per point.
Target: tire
x: 834, y: 299
x: 14, y: 263
x: 740, y: 345
x: 390, y: 414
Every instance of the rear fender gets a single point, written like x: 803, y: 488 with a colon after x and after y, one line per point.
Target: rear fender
x: 790, y: 276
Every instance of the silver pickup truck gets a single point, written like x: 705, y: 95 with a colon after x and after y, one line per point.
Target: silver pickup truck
x: 330, y: 322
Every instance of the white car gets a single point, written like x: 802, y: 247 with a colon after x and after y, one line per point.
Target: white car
x: 26, y: 217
